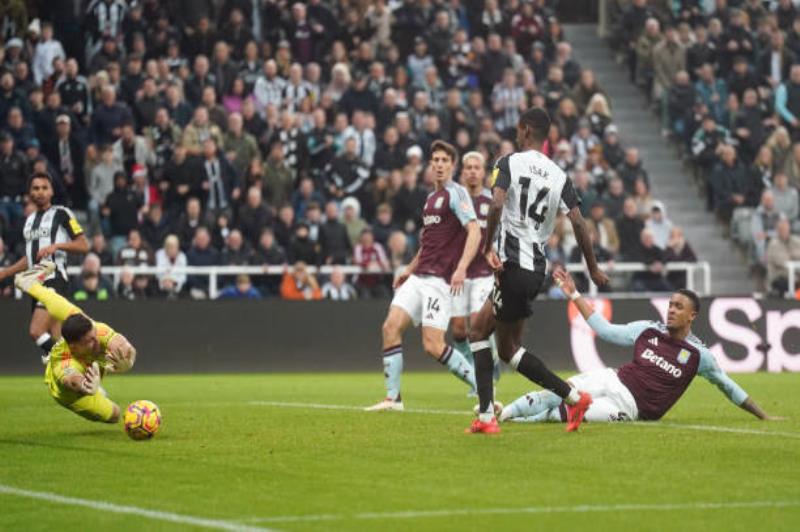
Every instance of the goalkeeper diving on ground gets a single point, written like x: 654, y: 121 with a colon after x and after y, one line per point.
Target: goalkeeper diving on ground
x: 87, y: 351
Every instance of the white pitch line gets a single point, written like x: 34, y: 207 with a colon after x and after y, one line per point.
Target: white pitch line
x: 132, y: 510
x: 652, y: 424
x: 714, y: 428
x: 583, y: 508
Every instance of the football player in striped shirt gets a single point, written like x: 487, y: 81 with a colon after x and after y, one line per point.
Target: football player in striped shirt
x: 51, y: 233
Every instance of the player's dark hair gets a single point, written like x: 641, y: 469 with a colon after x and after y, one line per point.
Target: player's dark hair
x: 75, y: 327
x: 537, y: 119
x: 449, y: 149
x: 692, y: 296
x: 39, y: 175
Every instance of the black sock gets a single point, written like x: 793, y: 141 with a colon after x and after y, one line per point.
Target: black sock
x: 535, y: 370
x: 45, y: 343
x: 484, y: 367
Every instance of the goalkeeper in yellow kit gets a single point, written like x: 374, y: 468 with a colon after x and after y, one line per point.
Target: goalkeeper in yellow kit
x: 86, y: 351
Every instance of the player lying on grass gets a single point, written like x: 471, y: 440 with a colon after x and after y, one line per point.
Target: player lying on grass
x: 86, y: 351
x: 666, y: 357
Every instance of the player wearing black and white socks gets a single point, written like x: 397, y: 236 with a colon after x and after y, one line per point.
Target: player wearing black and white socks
x: 528, y: 191
x: 51, y: 232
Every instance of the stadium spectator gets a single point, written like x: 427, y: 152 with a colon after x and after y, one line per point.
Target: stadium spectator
x: 237, y: 251
x: 651, y: 280
x: 254, y: 216
x: 299, y: 284
x: 301, y: 247
x: 605, y: 229
x: 337, y: 288
x: 644, y: 200
x: 121, y: 209
x: 678, y: 250
x: 133, y: 287
x: 268, y: 253
x: 242, y: 289
x: 99, y: 247
x: 786, y: 199
x: 92, y: 285
x: 371, y: 256
x: 659, y: 225
x: 168, y: 260
x: 136, y: 251
x: 781, y: 249
x: 201, y: 253
x: 629, y: 227
x: 763, y: 224
x: 156, y: 225
x: 334, y: 241
x: 614, y: 198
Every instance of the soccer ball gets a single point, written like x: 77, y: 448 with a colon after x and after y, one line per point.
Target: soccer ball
x: 142, y: 420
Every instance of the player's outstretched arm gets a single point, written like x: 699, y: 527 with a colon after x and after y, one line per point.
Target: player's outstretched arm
x: 710, y: 370
x: 585, y: 243
x: 616, y: 334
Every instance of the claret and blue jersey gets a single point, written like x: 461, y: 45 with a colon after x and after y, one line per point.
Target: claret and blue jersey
x: 662, y: 367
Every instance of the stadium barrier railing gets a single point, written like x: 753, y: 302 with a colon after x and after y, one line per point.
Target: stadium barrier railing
x: 698, y: 274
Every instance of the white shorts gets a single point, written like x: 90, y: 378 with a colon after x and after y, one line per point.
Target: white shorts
x: 476, y: 292
x: 611, y: 400
x: 427, y: 300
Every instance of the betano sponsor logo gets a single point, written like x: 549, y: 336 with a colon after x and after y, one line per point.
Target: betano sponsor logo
x: 662, y: 363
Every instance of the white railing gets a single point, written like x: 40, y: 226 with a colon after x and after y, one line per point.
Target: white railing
x: 791, y: 267
x: 692, y: 270
x: 213, y: 273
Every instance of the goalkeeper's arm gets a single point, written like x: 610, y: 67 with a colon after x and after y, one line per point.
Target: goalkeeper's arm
x: 121, y: 355
x: 87, y: 383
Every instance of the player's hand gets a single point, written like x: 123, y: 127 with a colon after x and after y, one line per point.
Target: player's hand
x: 91, y: 380
x: 457, y: 281
x: 400, y: 279
x: 46, y: 251
x: 564, y: 281
x: 599, y: 277
x: 494, y: 261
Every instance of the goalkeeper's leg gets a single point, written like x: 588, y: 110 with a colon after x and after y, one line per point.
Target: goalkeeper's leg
x: 31, y: 283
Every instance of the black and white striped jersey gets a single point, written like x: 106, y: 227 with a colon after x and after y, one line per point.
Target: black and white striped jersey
x: 56, y: 225
x: 537, y: 189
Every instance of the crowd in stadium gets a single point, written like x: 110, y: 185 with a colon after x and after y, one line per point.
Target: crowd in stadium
x: 727, y: 83
x: 244, y: 132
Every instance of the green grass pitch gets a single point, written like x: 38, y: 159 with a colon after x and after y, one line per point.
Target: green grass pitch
x: 230, y: 453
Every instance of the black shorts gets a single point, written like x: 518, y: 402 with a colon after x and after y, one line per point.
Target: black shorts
x: 514, y: 291
x: 57, y: 283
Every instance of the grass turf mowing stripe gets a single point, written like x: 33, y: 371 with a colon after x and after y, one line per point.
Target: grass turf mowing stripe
x: 584, y: 508
x: 652, y: 424
x: 132, y: 510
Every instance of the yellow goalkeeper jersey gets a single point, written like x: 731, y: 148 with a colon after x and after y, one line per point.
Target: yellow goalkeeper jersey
x: 64, y: 363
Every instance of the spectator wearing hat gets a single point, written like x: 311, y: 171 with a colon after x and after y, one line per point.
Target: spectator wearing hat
x: 613, y: 153
x: 68, y: 155
x: 659, y: 225
x: 302, y: 247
